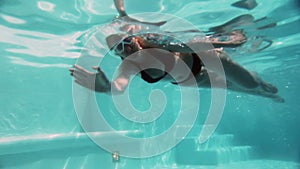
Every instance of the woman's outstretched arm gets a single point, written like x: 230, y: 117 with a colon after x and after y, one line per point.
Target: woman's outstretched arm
x: 119, y: 4
x: 99, y: 82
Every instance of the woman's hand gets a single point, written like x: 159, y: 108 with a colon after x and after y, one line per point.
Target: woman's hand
x: 94, y: 81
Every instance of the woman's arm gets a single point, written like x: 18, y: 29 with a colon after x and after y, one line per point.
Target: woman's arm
x: 99, y: 82
x: 119, y: 4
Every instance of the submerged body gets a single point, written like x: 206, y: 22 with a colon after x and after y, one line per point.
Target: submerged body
x: 156, y: 56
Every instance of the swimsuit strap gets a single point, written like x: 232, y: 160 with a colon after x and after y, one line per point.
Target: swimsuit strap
x: 196, y: 68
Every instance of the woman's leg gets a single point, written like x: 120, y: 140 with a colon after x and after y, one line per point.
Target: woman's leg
x: 237, y: 79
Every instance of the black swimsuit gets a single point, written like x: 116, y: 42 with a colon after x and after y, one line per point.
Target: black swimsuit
x: 145, y: 76
x: 169, y: 63
x: 195, y: 69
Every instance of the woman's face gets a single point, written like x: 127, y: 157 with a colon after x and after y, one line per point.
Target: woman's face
x: 127, y: 47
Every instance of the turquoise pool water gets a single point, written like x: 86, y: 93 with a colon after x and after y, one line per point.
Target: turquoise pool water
x: 40, y: 41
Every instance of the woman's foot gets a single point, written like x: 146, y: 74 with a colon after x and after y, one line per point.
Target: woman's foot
x: 268, y: 87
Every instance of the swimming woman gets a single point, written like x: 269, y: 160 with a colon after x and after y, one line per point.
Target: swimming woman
x: 165, y: 53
